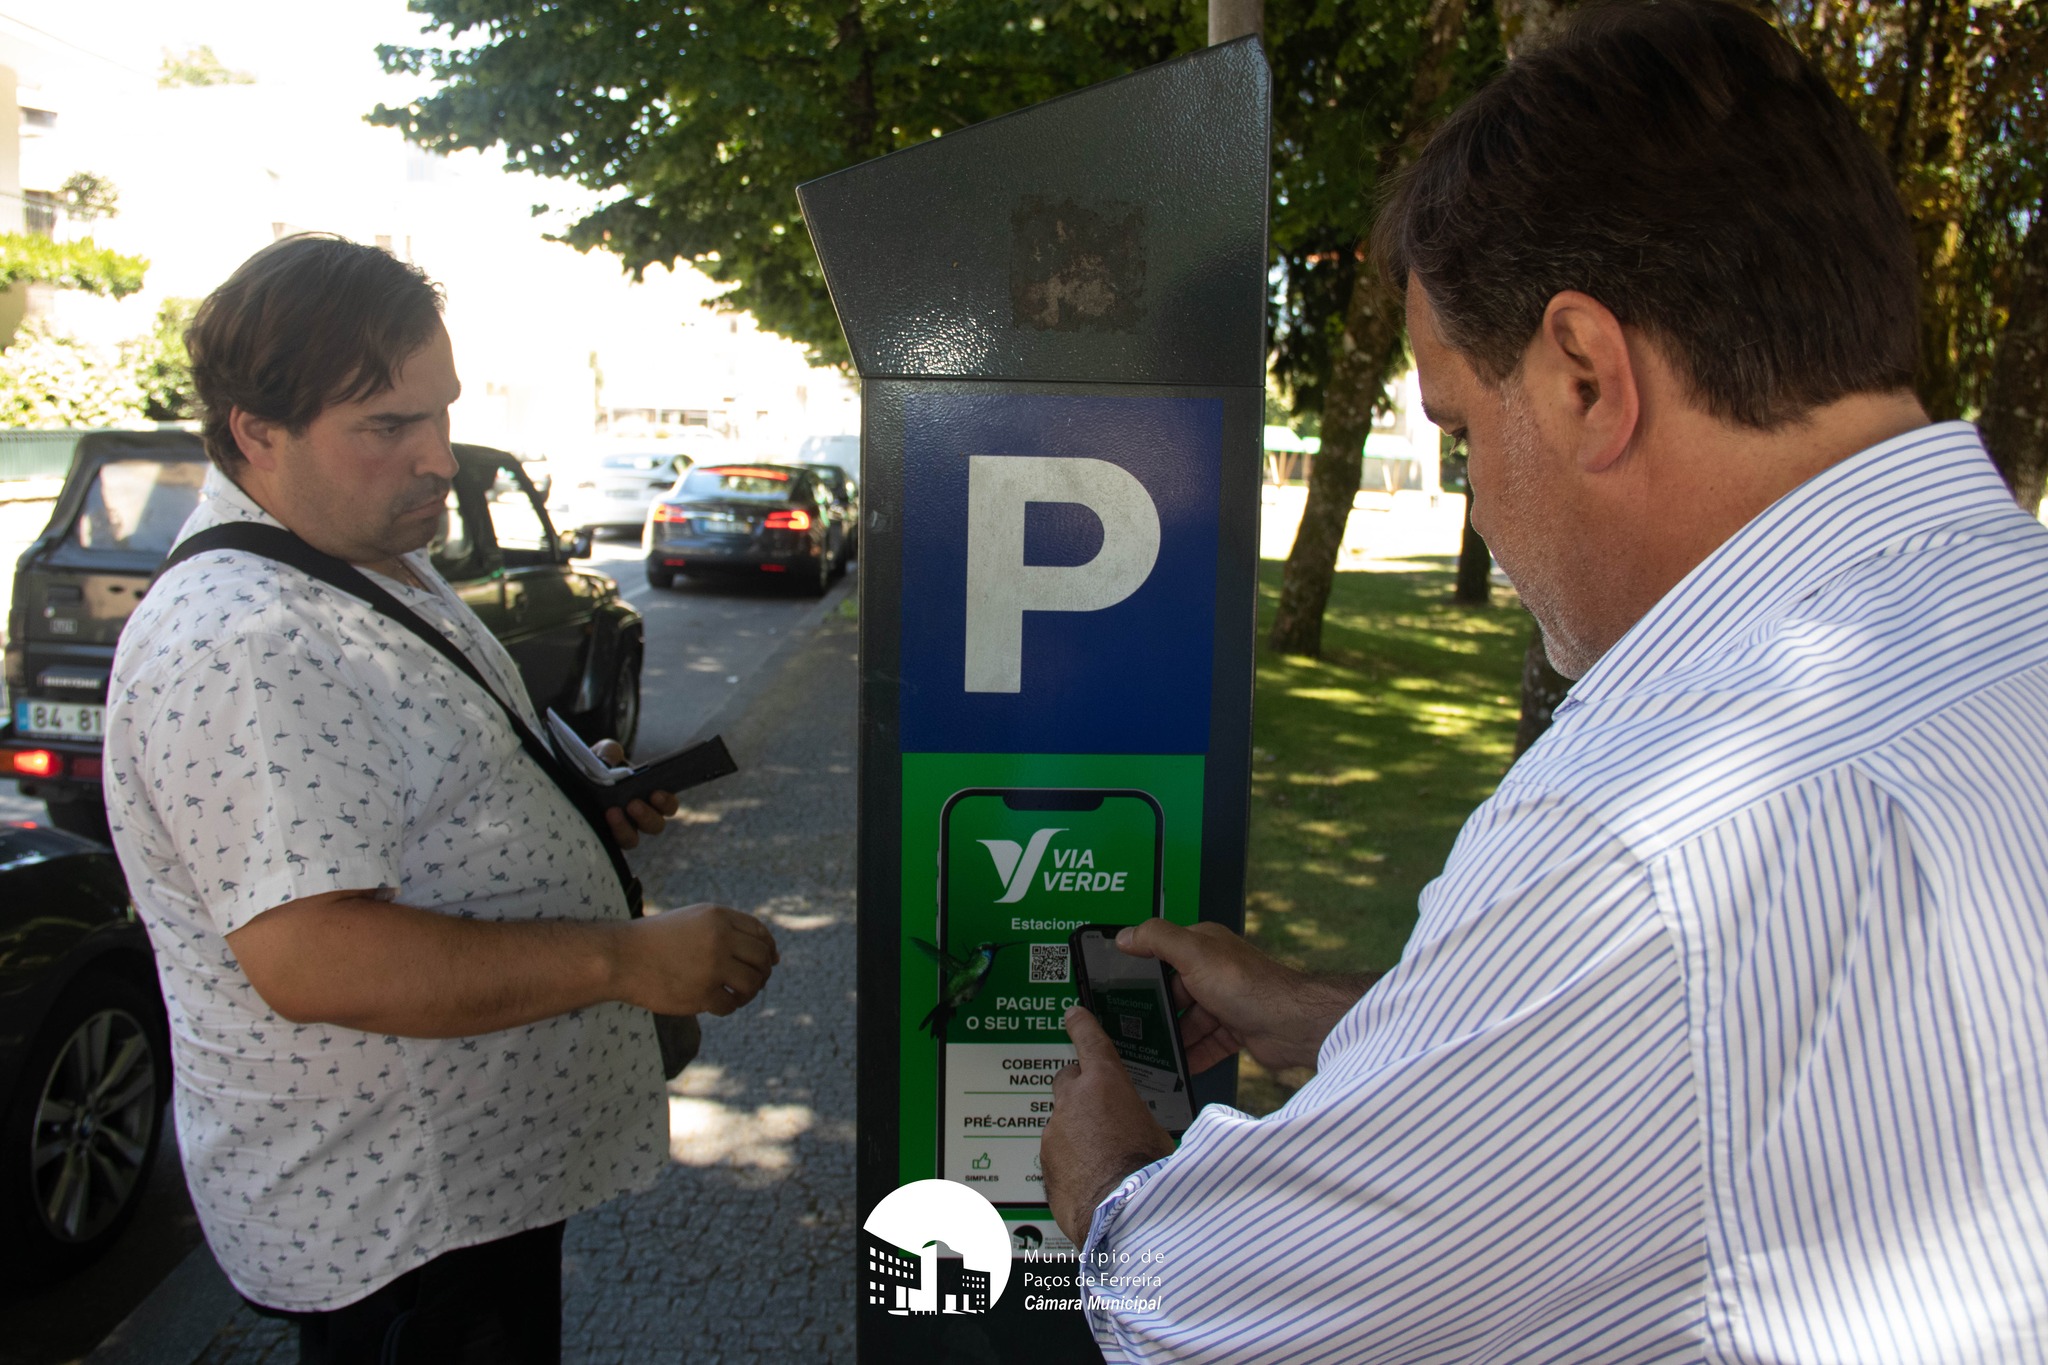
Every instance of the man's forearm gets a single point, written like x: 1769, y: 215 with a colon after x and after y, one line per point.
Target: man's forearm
x: 383, y: 968
x: 1318, y: 1002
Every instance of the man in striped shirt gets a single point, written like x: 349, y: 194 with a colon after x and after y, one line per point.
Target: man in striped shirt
x: 1722, y: 1034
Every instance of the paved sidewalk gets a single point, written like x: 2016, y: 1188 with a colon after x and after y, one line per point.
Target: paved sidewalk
x: 744, y: 1252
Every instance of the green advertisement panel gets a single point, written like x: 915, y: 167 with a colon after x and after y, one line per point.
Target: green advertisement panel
x: 1004, y: 856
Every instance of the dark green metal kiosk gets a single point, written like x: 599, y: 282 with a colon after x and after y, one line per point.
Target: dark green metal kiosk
x: 1058, y: 320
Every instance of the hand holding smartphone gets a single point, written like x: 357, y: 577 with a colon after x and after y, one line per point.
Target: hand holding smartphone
x: 1130, y: 998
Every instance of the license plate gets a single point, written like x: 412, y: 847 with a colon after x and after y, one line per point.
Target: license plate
x: 68, y: 718
x: 720, y: 526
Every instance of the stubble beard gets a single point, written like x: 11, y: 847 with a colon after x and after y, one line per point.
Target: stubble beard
x: 402, y: 535
x: 1540, y: 551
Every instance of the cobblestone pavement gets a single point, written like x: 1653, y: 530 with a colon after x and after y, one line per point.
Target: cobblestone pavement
x: 744, y: 1251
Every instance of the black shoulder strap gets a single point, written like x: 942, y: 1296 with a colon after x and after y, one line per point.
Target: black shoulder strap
x: 275, y: 542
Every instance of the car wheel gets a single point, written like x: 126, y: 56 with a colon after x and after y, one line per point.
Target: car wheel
x: 820, y: 581
x: 622, y: 706
x: 83, y: 815
x: 80, y: 1134
x: 660, y: 578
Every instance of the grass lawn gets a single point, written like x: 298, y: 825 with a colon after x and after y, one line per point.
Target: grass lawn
x: 1365, y: 763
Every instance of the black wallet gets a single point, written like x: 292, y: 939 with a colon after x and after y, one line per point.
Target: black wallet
x: 676, y: 772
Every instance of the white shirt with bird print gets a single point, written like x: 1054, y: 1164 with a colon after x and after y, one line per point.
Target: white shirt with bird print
x: 271, y: 738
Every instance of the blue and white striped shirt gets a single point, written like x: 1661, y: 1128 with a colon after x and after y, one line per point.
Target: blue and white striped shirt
x: 1722, y: 1035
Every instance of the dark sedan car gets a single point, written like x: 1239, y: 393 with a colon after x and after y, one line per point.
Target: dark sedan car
x: 85, y: 1066
x: 577, y: 643
x: 748, y: 518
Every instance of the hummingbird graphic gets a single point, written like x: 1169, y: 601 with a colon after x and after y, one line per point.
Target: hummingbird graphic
x: 965, y: 976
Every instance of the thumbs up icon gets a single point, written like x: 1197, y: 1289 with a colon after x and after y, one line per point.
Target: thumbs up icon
x: 981, y: 1163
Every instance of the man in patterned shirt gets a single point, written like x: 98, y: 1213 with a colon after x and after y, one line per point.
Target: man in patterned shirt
x: 409, y: 1006
x: 1721, y: 1035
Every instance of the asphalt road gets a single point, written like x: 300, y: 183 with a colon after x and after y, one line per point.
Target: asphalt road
x: 709, y: 646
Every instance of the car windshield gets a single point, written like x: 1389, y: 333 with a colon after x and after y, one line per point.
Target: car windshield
x: 747, y: 481
x: 138, y: 505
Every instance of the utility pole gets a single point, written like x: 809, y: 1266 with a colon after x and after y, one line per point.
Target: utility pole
x: 1230, y: 19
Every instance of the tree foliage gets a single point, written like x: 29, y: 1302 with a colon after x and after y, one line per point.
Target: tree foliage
x: 1344, y: 81
x: 197, y: 66
x: 1955, y: 95
x: 26, y: 258
x: 88, y: 197
x: 701, y: 118
x: 161, y: 366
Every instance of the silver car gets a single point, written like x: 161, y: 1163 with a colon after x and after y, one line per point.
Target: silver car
x: 610, y: 491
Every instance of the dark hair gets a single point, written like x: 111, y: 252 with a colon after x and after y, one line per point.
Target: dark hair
x: 307, y: 322
x: 1681, y: 162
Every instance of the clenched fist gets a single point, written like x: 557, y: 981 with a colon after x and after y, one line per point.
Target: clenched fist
x: 701, y: 959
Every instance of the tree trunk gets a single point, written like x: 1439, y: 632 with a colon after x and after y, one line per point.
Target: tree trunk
x: 1475, y: 566
x: 1372, y: 341
x: 1543, y: 687
x: 2015, y: 416
x: 1371, y: 344
x: 1230, y: 19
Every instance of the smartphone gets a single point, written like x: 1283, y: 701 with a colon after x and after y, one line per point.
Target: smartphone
x: 1129, y: 996
x: 1021, y: 868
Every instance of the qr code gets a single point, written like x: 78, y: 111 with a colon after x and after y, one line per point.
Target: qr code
x: 1049, y: 964
x: 1130, y: 1025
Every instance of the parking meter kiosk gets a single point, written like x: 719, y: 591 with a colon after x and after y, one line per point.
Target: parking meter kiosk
x: 1058, y: 321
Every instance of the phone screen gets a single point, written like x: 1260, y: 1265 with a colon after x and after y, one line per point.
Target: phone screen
x: 1019, y: 870
x: 1129, y: 997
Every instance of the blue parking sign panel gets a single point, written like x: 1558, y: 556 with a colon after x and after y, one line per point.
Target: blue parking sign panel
x: 1059, y: 573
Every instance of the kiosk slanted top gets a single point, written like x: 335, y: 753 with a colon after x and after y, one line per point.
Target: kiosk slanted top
x: 1114, y: 235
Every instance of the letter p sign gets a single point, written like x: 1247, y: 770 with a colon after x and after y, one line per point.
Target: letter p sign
x: 1001, y: 587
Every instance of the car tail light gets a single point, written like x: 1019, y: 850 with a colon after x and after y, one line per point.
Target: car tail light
x: 775, y: 568
x: 663, y: 512
x: 82, y: 767
x: 798, y: 520
x: 35, y: 762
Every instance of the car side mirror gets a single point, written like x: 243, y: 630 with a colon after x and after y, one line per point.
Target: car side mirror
x: 579, y: 544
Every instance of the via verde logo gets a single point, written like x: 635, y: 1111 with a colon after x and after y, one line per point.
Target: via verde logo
x: 1017, y: 864
x: 1073, y: 869
x: 935, y: 1246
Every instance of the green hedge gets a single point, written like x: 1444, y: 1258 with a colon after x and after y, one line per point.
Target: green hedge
x: 69, y: 265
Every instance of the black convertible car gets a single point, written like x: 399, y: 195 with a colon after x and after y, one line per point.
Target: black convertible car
x: 577, y: 642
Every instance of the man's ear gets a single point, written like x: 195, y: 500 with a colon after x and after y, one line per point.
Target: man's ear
x: 260, y: 440
x: 1580, y: 374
